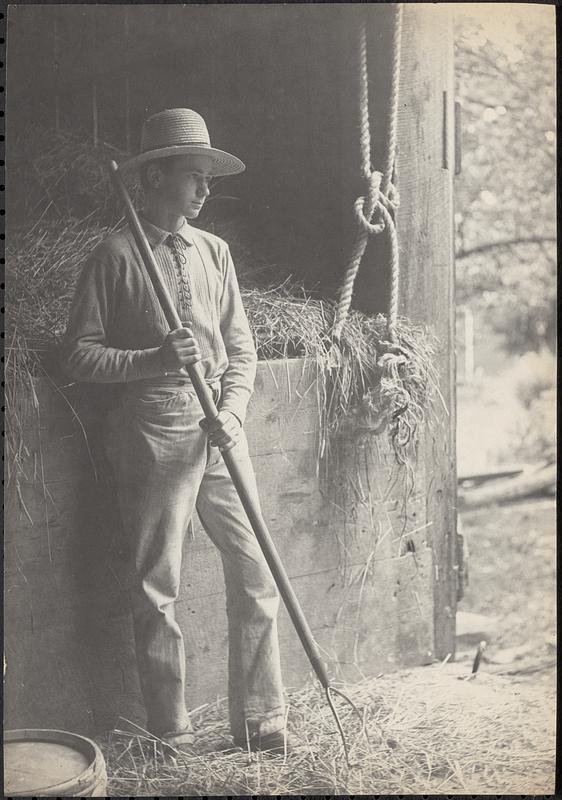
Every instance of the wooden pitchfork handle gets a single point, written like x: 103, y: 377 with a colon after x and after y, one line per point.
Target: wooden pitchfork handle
x: 248, y: 499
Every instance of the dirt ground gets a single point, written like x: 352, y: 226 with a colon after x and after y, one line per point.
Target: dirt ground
x: 512, y: 580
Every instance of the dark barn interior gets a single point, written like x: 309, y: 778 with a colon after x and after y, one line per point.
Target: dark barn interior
x: 276, y: 84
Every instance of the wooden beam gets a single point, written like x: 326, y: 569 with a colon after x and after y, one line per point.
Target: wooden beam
x: 56, y: 68
x: 95, y: 110
x: 425, y: 234
x: 95, y: 114
x: 127, y: 83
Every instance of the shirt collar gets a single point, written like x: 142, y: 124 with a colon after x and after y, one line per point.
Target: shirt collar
x: 156, y: 236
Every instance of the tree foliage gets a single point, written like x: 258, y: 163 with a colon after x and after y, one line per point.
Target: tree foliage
x: 505, y: 195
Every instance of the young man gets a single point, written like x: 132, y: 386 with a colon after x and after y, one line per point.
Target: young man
x: 166, y: 460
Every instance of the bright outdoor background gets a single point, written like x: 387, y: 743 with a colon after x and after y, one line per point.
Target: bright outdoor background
x: 505, y: 228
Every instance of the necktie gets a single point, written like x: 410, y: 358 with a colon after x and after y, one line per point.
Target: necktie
x: 179, y: 252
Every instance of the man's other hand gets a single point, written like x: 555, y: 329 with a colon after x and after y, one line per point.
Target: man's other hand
x: 224, y: 431
x: 179, y: 348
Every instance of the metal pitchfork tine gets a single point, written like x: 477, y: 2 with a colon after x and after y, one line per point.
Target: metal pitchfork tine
x: 248, y: 498
x: 329, y: 689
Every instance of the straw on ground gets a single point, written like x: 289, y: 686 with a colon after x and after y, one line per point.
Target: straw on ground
x: 431, y: 730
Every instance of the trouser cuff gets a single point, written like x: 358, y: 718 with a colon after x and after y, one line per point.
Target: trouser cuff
x: 262, y: 726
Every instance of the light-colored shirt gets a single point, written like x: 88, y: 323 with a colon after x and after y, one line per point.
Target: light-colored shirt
x: 116, y: 325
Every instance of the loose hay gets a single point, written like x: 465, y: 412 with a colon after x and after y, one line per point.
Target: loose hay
x: 430, y: 731
x: 352, y: 373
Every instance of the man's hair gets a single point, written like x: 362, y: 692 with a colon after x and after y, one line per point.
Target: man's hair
x: 163, y: 163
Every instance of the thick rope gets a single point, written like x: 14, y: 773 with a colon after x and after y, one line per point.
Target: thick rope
x: 381, y: 196
x: 393, y: 104
x: 346, y: 289
x: 365, y: 128
x: 388, y: 174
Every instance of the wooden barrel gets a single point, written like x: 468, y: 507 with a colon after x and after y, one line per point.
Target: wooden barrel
x: 48, y: 763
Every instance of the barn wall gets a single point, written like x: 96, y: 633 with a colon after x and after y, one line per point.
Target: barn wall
x: 377, y: 596
x: 365, y: 582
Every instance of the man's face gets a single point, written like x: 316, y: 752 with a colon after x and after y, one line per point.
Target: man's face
x: 183, y: 185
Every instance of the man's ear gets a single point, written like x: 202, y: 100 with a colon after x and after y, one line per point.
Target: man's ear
x: 154, y: 175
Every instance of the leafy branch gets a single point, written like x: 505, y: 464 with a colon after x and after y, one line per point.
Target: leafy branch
x: 484, y: 248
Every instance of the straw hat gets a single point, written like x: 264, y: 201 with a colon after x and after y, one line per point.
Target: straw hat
x: 178, y: 132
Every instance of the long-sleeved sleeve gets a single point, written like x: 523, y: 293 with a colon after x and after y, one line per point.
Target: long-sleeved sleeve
x: 238, y: 378
x: 86, y: 356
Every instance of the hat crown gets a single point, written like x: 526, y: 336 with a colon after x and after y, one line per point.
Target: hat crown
x: 172, y: 128
x: 178, y: 132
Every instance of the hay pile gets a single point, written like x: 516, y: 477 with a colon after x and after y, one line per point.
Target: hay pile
x: 63, y: 206
x: 430, y: 732
x: 287, y: 322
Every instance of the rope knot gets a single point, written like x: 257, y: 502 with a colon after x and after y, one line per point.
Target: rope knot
x: 392, y: 197
x: 366, y: 206
x: 376, y: 202
x: 375, y: 210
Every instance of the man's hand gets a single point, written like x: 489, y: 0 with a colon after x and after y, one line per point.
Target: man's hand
x: 179, y: 349
x: 224, y: 431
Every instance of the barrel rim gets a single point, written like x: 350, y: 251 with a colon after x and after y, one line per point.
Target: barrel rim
x: 87, y: 747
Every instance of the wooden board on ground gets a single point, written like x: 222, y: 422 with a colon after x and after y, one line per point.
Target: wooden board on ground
x: 533, y: 482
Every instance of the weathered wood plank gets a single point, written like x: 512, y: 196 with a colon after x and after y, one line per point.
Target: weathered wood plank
x: 347, y: 622
x: 425, y: 234
x: 348, y: 544
x: 351, y: 566
x: 46, y: 679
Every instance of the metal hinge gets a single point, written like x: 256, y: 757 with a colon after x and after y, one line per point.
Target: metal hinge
x: 458, y: 138
x: 461, y: 568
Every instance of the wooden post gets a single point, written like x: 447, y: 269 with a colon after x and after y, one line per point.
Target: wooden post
x: 468, y: 345
x: 56, y: 68
x: 127, y: 85
x: 95, y: 113
x: 425, y: 231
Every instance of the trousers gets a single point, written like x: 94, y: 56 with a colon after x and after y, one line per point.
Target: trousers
x: 165, y: 470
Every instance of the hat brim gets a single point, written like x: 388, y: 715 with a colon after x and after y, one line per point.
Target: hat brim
x: 222, y: 163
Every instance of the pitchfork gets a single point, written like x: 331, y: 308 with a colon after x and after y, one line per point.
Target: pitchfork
x: 238, y: 478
